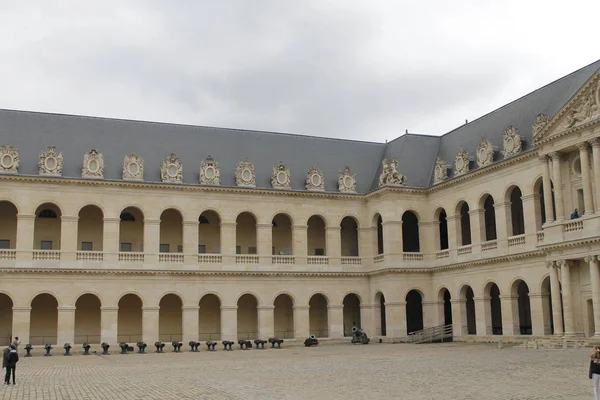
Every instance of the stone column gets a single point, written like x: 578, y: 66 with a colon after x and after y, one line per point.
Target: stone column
x: 110, y: 241
x: 477, y: 229
x: 392, y: 242
x: 537, y: 302
x: 299, y: 244
x: 453, y: 222
x: 109, y: 325
x: 557, y: 313
x: 503, y: 223
x: 190, y: 323
x: 428, y: 232
x: 229, y: 323
x: 334, y: 245
x: 150, y: 332
x: 264, y: 239
x: 301, y: 322
x: 459, y: 317
x: 510, y: 315
x: 365, y: 243
x: 430, y: 313
x: 66, y: 325
x: 367, y: 318
x: 266, y: 322
x: 595, y: 283
x: 190, y: 245
x: 228, y: 243
x: 558, y: 193
x: 335, y: 319
x: 596, y: 156
x: 565, y: 272
x: 395, y: 318
x: 483, y: 316
x: 68, y: 238
x: 549, y: 210
x: 24, y: 245
x: 151, y: 243
x: 585, y: 178
x: 529, y: 217
x: 21, y: 323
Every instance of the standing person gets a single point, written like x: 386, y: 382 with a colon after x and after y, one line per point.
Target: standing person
x: 5, y: 356
x: 11, y: 365
x: 16, y: 343
x: 595, y: 370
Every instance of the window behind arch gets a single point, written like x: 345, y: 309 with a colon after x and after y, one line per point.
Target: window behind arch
x: 127, y: 217
x: 46, y: 213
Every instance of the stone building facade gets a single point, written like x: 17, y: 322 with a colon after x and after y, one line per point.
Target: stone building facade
x: 116, y: 230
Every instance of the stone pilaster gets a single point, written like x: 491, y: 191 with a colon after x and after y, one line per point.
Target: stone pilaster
x: 190, y: 244
x: 151, y: 244
x: 301, y: 322
x: 66, y: 325
x: 565, y: 272
x: 335, y: 319
x: 538, y: 302
x: 300, y: 245
x: 510, y: 315
x: 109, y: 322
x: 547, y: 187
x: 228, y: 243
x: 264, y: 239
x: 558, y: 191
x: 20, y: 323
x: 595, y: 284
x: 459, y: 317
x: 584, y: 158
x: 150, y: 324
x: 395, y: 318
x: 477, y: 229
x: 189, y: 315
x: 596, y: 157
x: 392, y: 241
x: 229, y: 323
x: 334, y: 245
x: 557, y: 313
x: 483, y: 315
x: 110, y: 241
x: 68, y: 238
x: 266, y: 321
x: 366, y: 250
x: 25, y: 231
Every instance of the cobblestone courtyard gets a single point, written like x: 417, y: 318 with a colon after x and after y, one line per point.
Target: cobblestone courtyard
x: 376, y: 371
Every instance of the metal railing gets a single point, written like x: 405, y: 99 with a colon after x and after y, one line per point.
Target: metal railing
x: 434, y: 334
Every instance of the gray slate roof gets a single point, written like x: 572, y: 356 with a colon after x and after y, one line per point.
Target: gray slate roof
x: 32, y: 132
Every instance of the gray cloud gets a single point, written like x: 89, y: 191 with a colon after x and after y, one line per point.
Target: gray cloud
x: 363, y: 70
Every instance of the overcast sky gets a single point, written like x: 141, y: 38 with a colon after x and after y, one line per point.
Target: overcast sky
x: 364, y: 70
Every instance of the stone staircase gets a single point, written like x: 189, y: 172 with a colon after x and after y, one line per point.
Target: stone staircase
x: 551, y: 342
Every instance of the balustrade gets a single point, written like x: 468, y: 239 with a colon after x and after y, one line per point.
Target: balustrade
x: 412, y: 256
x: 129, y: 256
x: 540, y: 237
x: 8, y: 254
x: 516, y: 240
x: 574, y: 225
x: 53, y: 255
x: 210, y: 259
x: 489, y: 245
x: 351, y: 261
x: 282, y: 260
x: 170, y: 258
x: 468, y: 249
x: 378, y: 259
x: 246, y: 259
x: 318, y: 260
x: 90, y: 256
x: 442, y: 254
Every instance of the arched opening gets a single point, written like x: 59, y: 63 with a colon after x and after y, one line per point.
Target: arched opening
x: 87, y: 319
x: 380, y: 323
x: 209, y: 233
x: 282, y: 235
x: 247, y: 317
x: 442, y: 229
x: 245, y: 234
x: 131, y: 230
x: 170, y: 325
x: 6, y: 320
x: 171, y: 231
x: 43, y: 325
x: 378, y: 223
x: 494, y: 307
x: 316, y: 236
x: 516, y: 212
x: 209, y: 317
x: 349, y: 237
x: 465, y: 224
x: 90, y: 229
x: 8, y: 226
x: 410, y: 232
x: 469, y: 309
x: 47, y: 227
x: 445, y: 299
x: 351, y: 313
x: 317, y: 316
x: 520, y: 290
x: 489, y: 214
x: 129, y: 320
x: 414, y: 311
x: 284, y: 317
x: 547, y: 314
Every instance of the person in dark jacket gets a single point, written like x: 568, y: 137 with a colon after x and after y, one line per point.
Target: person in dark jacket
x: 5, y: 356
x: 595, y: 370
x: 11, y: 365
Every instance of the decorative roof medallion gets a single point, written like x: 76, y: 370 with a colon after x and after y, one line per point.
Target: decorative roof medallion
x: 347, y: 181
x: 133, y: 168
x: 541, y: 120
x: 461, y: 163
x: 440, y: 172
x: 244, y: 174
x: 512, y: 142
x: 51, y: 162
x: 586, y: 109
x: 390, y: 175
x: 315, y: 180
x: 281, y: 177
x: 485, y: 153
x: 171, y: 169
x: 210, y: 174
x: 93, y: 165
x: 9, y: 159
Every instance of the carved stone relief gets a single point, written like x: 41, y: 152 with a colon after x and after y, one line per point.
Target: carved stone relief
x: 440, y: 173
x: 210, y: 174
x: 245, y: 175
x: 347, y: 181
x: 93, y: 165
x: 513, y: 144
x: 485, y: 153
x: 281, y: 177
x: 315, y: 180
x: 51, y: 162
x: 9, y: 159
x: 541, y: 120
x: 586, y: 109
x: 171, y: 169
x: 461, y: 163
x: 389, y: 174
x: 133, y: 168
